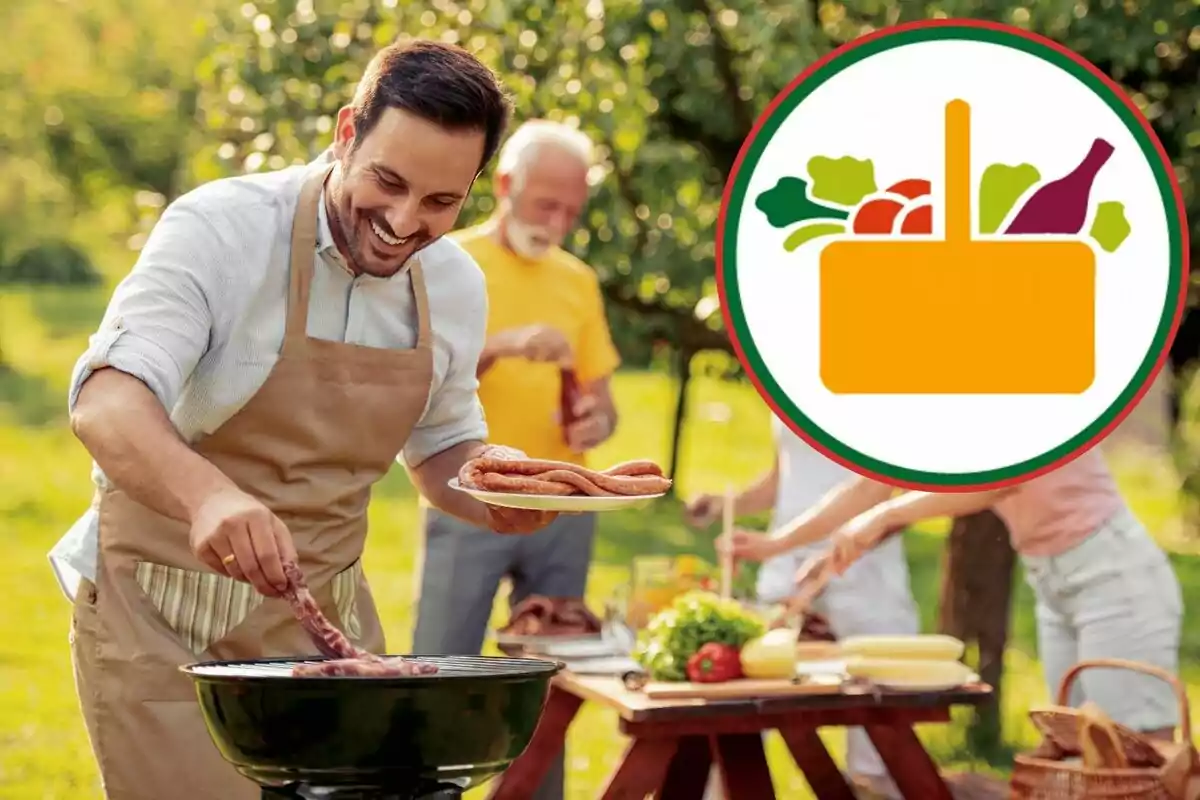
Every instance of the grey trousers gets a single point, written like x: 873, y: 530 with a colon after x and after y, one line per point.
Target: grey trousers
x: 461, y: 571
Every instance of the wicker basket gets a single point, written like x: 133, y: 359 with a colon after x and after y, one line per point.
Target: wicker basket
x: 1156, y: 771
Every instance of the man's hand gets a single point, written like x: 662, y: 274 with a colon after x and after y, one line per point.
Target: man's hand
x: 518, y: 520
x: 591, y: 426
x: 232, y: 523
x: 542, y: 343
x: 749, y: 546
x: 704, y: 510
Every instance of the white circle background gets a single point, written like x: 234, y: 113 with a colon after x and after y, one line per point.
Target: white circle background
x: 890, y: 108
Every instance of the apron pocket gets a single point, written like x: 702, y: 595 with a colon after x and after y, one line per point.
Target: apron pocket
x: 201, y: 607
x: 345, y: 599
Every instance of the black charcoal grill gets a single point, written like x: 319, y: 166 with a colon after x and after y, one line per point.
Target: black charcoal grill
x: 421, y: 737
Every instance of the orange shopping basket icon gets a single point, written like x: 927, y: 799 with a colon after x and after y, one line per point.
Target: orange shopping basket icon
x: 959, y: 316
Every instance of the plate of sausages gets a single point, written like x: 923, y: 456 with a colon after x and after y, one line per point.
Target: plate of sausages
x: 500, y: 478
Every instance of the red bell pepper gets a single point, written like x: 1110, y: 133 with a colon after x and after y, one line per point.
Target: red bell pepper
x: 714, y: 663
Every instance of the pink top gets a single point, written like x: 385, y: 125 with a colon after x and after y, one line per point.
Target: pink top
x: 1051, y: 514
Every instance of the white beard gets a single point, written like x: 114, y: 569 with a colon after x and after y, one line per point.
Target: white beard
x: 527, y: 241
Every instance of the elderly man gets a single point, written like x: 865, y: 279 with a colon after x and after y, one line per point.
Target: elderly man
x: 545, y: 312
x: 281, y: 339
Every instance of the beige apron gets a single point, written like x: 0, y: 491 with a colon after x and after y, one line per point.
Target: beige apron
x: 326, y: 425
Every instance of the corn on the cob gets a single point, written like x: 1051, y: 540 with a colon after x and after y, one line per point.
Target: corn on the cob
x: 817, y: 651
x: 931, y: 647
x: 907, y: 670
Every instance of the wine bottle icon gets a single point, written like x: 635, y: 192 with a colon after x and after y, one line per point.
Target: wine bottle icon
x: 1061, y: 206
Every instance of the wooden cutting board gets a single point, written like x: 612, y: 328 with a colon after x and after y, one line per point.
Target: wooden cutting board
x: 740, y: 689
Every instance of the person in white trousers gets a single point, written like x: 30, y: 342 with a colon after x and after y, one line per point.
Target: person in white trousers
x: 873, y: 597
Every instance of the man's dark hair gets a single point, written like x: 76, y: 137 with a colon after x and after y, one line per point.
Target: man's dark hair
x: 441, y: 83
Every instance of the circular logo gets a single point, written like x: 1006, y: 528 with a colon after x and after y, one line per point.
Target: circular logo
x: 952, y: 255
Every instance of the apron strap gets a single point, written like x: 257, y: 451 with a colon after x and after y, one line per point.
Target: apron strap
x: 424, y: 336
x: 303, y: 256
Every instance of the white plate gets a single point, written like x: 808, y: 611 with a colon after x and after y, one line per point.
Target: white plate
x: 581, y: 648
x: 539, y: 643
x: 611, y: 665
x: 541, y: 502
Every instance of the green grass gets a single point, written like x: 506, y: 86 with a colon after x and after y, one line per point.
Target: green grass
x: 44, y: 472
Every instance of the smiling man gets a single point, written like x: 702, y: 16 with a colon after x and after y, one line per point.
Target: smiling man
x: 282, y: 339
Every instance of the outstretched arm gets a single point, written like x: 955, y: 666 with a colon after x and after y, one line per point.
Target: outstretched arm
x: 910, y: 508
x: 866, y: 530
x: 154, y: 332
x: 840, y: 505
x: 431, y: 478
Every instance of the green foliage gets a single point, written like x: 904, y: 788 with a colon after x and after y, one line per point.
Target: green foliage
x: 844, y: 181
x: 813, y: 230
x: 115, y: 106
x: 788, y: 203
x: 54, y: 262
x: 999, y: 189
x: 1110, y: 228
x: 693, y: 620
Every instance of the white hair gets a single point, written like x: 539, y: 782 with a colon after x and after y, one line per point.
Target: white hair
x: 530, y: 137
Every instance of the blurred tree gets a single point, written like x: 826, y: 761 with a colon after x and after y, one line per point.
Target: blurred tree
x: 100, y: 107
x: 54, y: 261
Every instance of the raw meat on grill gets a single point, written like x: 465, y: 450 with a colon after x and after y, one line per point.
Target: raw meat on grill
x: 364, y: 668
x: 347, y: 660
x: 552, y: 616
x: 497, y: 472
x: 329, y: 640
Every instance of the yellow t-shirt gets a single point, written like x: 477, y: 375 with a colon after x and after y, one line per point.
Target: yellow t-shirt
x: 521, y: 398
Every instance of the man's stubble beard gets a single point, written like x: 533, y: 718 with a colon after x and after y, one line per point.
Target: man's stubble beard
x: 347, y: 237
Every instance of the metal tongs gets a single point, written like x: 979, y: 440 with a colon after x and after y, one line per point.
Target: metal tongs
x: 811, y: 579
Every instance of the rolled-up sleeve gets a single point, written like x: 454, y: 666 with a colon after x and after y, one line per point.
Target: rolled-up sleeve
x: 454, y: 414
x: 158, y: 323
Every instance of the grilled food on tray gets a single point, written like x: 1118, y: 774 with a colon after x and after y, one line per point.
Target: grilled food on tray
x: 551, y: 616
x: 501, y: 470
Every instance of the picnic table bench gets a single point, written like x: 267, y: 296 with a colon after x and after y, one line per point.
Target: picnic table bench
x: 674, y: 743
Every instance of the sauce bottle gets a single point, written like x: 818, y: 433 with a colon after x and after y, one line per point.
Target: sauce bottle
x: 569, y: 394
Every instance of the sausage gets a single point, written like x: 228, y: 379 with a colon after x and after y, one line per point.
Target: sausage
x: 346, y: 659
x: 560, y: 478
x: 329, y: 640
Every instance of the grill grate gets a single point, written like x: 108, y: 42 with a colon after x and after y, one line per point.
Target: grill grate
x: 448, y: 667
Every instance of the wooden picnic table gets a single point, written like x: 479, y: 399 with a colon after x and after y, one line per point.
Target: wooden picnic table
x: 674, y: 743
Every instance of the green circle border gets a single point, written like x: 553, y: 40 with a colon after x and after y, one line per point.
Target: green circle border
x: 787, y: 103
